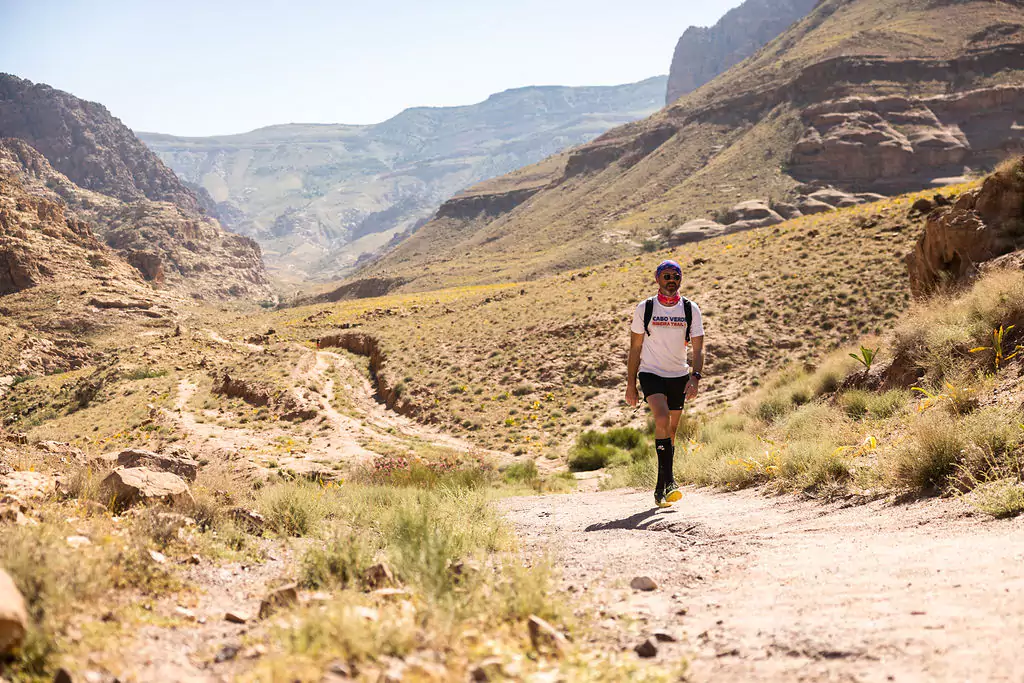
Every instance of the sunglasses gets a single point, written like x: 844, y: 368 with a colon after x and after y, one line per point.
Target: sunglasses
x: 670, y: 275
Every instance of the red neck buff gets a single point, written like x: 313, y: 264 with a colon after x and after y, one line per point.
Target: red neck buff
x: 667, y: 300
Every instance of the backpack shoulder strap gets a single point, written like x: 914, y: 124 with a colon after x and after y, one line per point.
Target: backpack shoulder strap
x: 688, y: 312
x: 648, y: 314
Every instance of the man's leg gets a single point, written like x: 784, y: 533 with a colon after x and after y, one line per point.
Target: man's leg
x: 673, y: 426
x: 662, y: 438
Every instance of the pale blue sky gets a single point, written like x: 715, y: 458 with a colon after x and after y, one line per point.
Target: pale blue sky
x: 203, y: 67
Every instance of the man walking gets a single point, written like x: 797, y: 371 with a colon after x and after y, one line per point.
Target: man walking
x: 663, y: 327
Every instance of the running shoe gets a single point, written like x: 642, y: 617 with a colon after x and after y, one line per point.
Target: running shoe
x: 659, y: 500
x: 672, y: 493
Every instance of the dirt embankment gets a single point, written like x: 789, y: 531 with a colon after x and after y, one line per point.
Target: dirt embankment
x: 389, y: 391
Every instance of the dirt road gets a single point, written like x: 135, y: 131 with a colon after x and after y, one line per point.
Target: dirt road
x: 780, y: 589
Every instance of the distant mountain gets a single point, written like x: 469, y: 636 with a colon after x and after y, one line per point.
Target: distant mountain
x: 76, y: 156
x: 318, y: 197
x: 703, y: 53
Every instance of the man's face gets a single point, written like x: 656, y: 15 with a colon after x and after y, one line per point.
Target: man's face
x: 668, y: 281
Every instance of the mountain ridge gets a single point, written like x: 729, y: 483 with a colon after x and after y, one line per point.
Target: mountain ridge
x: 739, y: 137
x: 338, y: 191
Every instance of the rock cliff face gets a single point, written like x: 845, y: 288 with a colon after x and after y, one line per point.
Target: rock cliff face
x: 703, y: 53
x: 74, y: 153
x: 163, y: 243
x: 982, y: 225
x: 87, y: 144
x: 40, y: 240
x: 898, y: 143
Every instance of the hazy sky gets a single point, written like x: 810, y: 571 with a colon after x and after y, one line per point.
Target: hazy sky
x: 203, y: 67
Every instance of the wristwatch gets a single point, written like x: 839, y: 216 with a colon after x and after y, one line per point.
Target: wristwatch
x: 694, y: 373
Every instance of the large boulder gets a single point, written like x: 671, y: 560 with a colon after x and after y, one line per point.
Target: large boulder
x: 982, y: 225
x: 695, y: 231
x: 810, y: 206
x: 833, y: 196
x: 178, y: 462
x: 13, y: 615
x: 134, y: 485
x: 754, y: 210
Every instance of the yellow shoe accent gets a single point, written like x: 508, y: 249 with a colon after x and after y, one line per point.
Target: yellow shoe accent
x: 673, y: 496
x: 664, y: 504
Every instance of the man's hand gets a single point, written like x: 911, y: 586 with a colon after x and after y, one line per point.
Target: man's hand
x: 632, y: 397
x: 692, y: 388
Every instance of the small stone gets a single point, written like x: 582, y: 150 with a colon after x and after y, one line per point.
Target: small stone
x: 647, y: 649
x: 285, y: 596
x: 544, y: 636
x: 922, y: 205
x: 379, y: 576
x: 185, y: 613
x: 643, y: 583
x: 235, y: 618
x: 255, y: 652
x: 158, y: 557
x: 664, y: 637
x: 489, y: 669
x: 194, y: 559
x: 78, y: 541
x: 339, y: 668
x: 226, y: 654
x: 367, y: 613
x: 62, y: 676
x: 252, y: 522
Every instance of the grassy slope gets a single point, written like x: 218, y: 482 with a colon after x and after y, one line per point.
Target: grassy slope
x: 769, y: 296
x: 716, y: 158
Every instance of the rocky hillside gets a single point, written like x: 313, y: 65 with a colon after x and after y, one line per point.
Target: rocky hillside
x: 40, y: 239
x: 317, y: 197
x: 74, y: 153
x: 705, y: 52
x: 868, y: 96
x: 87, y: 144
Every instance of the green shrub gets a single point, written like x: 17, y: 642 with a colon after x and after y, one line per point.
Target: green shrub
x: 855, y: 403
x: 520, y: 473
x: 341, y: 562
x: 625, y: 438
x: 294, y: 508
x: 772, y: 408
x: 595, y: 457
x: 930, y: 456
x: 889, y: 403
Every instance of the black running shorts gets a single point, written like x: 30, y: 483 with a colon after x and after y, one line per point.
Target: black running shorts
x: 674, y: 388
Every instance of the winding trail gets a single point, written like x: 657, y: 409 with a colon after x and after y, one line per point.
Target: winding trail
x: 782, y: 589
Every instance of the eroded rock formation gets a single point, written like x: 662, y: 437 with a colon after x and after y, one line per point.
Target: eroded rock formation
x: 899, y: 143
x: 87, y: 144
x: 983, y: 224
x: 164, y: 243
x: 703, y: 53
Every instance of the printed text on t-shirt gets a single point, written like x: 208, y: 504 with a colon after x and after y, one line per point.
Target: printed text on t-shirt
x: 668, y: 321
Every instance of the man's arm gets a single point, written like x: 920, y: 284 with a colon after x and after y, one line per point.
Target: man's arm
x: 697, y: 345
x: 636, y: 343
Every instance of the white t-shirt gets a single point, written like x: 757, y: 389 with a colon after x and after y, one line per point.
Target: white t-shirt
x: 664, y: 352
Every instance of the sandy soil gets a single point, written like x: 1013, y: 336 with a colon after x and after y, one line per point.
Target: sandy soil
x: 781, y: 589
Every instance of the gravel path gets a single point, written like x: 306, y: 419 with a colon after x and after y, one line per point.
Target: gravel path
x: 781, y: 589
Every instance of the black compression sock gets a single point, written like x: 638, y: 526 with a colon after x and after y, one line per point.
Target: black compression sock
x: 670, y: 477
x: 663, y: 447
